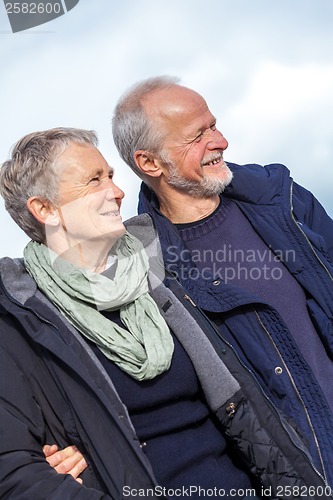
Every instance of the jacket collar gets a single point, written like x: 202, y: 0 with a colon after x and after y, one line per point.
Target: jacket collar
x: 260, y: 185
x: 16, y: 281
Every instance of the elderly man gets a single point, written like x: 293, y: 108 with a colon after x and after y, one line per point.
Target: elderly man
x: 253, y: 250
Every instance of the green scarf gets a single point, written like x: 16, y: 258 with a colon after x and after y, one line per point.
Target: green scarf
x: 146, y: 349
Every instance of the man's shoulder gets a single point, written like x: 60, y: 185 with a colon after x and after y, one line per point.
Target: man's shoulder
x: 257, y: 170
x: 253, y: 182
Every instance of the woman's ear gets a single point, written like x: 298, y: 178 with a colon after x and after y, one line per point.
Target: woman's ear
x: 147, y: 163
x: 43, y: 211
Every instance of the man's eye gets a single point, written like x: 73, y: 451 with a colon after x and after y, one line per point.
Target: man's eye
x: 94, y: 179
x: 199, y: 137
x: 213, y: 127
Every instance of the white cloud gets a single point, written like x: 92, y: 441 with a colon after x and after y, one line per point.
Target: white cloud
x: 284, y: 117
x: 283, y: 91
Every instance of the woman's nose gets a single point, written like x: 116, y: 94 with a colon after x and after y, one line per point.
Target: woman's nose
x: 114, y: 192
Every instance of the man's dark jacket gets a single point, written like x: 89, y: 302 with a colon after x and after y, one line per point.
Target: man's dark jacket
x: 289, y: 219
x: 54, y: 390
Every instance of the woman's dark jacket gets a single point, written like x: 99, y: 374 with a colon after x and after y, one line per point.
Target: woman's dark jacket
x: 289, y: 219
x: 53, y: 389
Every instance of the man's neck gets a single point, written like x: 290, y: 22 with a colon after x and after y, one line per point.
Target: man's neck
x: 180, y: 208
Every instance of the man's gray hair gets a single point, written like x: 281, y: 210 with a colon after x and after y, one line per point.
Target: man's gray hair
x: 132, y: 130
x: 32, y: 171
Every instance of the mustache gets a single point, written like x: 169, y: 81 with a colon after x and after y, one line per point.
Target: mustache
x: 211, y: 157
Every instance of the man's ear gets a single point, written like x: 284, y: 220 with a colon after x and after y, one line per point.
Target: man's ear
x: 43, y: 210
x: 148, y: 163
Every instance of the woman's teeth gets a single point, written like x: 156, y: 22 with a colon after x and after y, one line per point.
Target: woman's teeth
x: 110, y: 214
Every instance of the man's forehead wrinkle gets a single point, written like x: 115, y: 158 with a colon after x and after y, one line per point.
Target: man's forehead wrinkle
x: 179, y: 117
x: 173, y: 101
x: 170, y: 109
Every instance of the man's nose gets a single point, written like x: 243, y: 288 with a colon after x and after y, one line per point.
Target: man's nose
x: 217, y: 141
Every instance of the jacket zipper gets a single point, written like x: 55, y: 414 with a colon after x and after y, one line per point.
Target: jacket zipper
x: 307, y: 456
x: 330, y: 276
x: 298, y: 395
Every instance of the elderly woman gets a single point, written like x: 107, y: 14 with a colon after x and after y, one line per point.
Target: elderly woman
x: 96, y: 355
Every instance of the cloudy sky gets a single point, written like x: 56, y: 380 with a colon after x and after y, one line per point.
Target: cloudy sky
x: 265, y: 68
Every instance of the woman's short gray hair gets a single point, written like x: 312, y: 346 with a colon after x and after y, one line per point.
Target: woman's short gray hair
x: 31, y: 171
x: 132, y: 130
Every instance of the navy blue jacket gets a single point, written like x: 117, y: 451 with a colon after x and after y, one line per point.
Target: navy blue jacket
x: 287, y: 217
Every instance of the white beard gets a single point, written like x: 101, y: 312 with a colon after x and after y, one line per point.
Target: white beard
x: 205, y: 188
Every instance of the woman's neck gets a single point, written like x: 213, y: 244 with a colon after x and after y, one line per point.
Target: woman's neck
x: 86, y: 255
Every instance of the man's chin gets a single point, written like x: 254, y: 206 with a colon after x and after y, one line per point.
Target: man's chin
x: 225, y: 177
x: 206, y: 189
x: 210, y: 185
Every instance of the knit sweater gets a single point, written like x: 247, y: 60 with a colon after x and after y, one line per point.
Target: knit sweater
x: 225, y: 245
